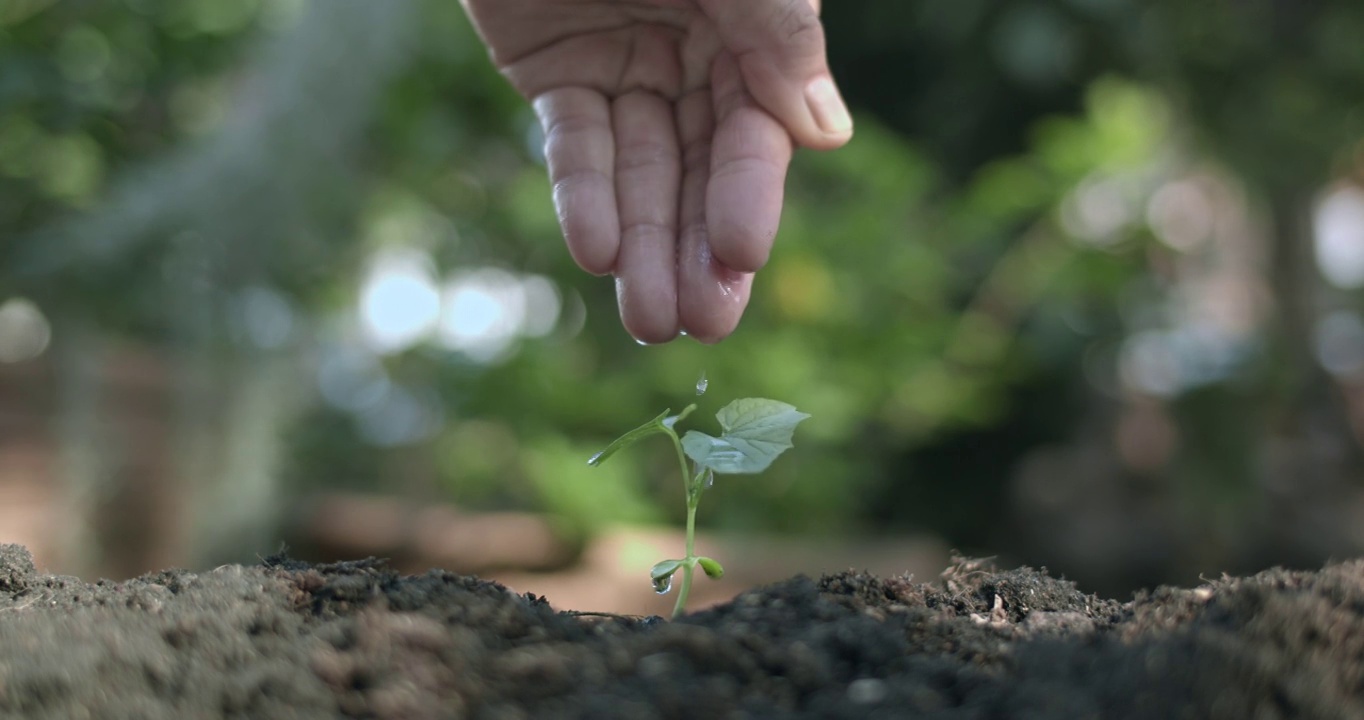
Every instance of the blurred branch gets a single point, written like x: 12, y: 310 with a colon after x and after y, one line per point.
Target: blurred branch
x: 82, y: 449
x: 234, y: 417
x: 1309, y: 406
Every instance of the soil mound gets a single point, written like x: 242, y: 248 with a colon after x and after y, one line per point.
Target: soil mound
x: 354, y: 639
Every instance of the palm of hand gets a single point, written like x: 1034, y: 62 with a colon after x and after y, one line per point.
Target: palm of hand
x: 666, y: 172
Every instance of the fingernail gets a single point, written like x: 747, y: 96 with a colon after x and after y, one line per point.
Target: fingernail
x: 827, y: 107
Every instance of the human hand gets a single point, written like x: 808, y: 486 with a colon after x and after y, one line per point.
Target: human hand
x: 669, y: 126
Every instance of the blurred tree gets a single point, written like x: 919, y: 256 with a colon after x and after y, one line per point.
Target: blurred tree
x: 246, y: 206
x: 985, y: 301
x: 1275, y: 90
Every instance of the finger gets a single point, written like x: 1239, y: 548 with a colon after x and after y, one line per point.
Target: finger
x: 648, y: 175
x: 781, y: 52
x: 581, y: 157
x: 749, y: 159
x: 711, y: 296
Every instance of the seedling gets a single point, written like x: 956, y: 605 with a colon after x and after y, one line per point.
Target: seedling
x: 754, y: 432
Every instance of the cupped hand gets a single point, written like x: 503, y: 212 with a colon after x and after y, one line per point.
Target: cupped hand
x: 669, y: 126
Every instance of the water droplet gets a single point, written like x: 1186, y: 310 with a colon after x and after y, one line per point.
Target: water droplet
x: 595, y: 458
x: 710, y: 478
x: 702, y: 384
x: 663, y: 585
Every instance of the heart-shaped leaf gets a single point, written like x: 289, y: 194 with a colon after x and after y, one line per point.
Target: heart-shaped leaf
x: 756, y: 431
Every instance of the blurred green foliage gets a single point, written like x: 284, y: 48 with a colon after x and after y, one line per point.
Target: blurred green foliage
x: 933, y: 301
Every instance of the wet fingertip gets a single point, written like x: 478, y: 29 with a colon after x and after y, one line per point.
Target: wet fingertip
x: 747, y: 253
x: 739, y: 240
x: 649, y: 322
x: 647, y: 335
x: 597, y: 264
x: 587, y: 214
x: 710, y: 332
x: 598, y: 267
x: 593, y: 248
x: 708, y: 339
x: 711, y: 322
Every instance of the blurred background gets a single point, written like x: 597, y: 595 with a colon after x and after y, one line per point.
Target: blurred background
x: 1083, y: 293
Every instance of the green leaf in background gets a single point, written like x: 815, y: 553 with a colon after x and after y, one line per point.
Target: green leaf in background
x: 756, y: 431
x: 580, y: 496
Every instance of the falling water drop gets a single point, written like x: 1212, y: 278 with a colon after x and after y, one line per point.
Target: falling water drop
x: 663, y: 585
x: 702, y: 383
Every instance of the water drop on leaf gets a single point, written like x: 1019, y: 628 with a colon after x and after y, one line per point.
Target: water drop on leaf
x: 663, y: 585
x: 595, y: 459
x: 662, y: 575
x: 702, y: 384
x: 710, y: 478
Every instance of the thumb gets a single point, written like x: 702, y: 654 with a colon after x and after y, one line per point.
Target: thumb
x: 779, y: 46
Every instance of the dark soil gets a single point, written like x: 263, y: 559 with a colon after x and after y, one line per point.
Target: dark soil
x: 292, y: 640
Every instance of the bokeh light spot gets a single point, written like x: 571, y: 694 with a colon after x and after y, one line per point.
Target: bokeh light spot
x: 399, y: 302
x: 1339, y: 225
x: 24, y: 331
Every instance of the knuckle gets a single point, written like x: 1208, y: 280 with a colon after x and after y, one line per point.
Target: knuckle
x: 798, y: 24
x: 645, y: 154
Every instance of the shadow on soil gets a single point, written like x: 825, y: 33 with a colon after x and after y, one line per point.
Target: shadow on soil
x: 354, y: 639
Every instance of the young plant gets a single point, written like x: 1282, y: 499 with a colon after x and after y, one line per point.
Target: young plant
x: 754, y: 431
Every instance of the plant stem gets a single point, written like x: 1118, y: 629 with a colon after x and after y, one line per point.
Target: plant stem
x: 689, y: 566
x: 693, y: 487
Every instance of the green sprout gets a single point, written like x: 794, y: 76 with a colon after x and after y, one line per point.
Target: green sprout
x: 754, y: 432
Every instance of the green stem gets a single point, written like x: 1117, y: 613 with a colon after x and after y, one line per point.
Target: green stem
x: 664, y: 424
x: 693, y: 488
x: 693, y: 500
x: 689, y: 566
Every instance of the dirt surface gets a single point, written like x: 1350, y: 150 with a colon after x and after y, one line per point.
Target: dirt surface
x: 291, y: 640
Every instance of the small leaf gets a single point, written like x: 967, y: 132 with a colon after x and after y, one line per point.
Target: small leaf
x: 663, y: 570
x: 630, y: 438
x: 713, y: 569
x: 756, y: 431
